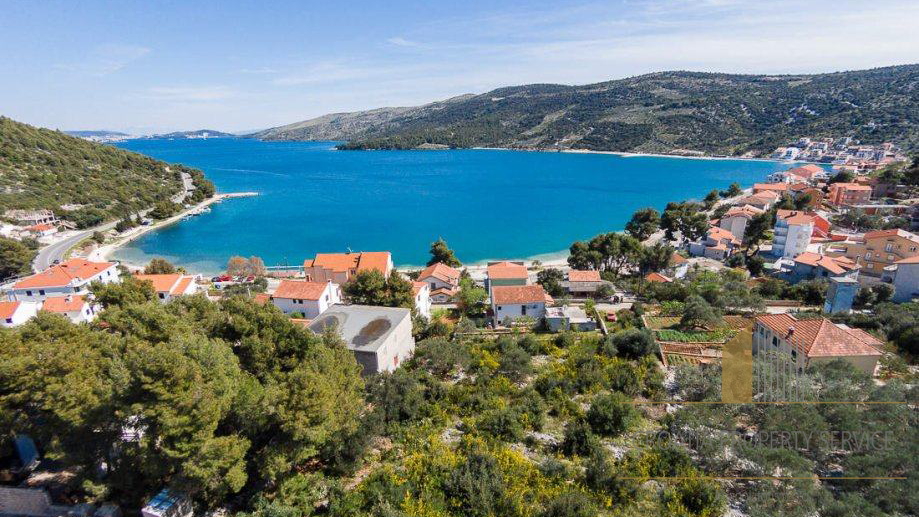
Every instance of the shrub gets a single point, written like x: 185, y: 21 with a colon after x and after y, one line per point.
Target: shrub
x: 514, y: 362
x: 476, y: 487
x: 570, y: 504
x: 634, y: 343
x: 578, y: 439
x: 611, y: 415
x: 440, y: 357
x: 503, y: 424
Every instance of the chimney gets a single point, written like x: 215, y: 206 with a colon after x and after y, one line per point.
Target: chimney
x: 791, y: 331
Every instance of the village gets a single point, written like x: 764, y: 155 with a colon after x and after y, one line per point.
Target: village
x: 777, y: 268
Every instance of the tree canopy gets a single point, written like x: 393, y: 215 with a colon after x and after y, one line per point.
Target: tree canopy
x: 440, y: 252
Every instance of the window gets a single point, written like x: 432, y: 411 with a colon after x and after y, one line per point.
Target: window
x: 28, y: 293
x: 794, y: 354
x: 912, y: 248
x: 41, y: 292
x: 9, y: 320
x: 867, y: 255
x: 499, y: 307
x: 523, y: 310
x: 869, y: 265
x: 889, y: 258
x: 775, y: 341
x: 889, y: 247
x: 162, y: 296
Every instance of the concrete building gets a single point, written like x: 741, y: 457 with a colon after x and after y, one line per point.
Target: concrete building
x: 843, y: 194
x: 422, y: 293
x: 67, y: 278
x: 15, y: 313
x: 512, y: 302
x: 169, y: 286
x: 840, y: 294
x: 583, y: 283
x: 904, y: 275
x: 810, y: 341
x: 792, y: 234
x: 735, y: 220
x: 762, y: 200
x: 569, y: 318
x: 443, y: 295
x: 440, y: 276
x: 718, y: 244
x: 506, y: 273
x: 338, y: 268
x: 76, y: 308
x: 168, y: 503
x: 380, y: 337
x: 876, y: 250
x: 308, y: 298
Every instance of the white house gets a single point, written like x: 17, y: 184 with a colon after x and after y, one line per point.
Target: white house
x: 904, y: 275
x: 169, y: 286
x: 16, y: 313
x: 380, y: 337
x: 68, y: 278
x: 74, y: 307
x: 440, y: 276
x: 308, y: 298
x: 736, y: 219
x: 443, y: 295
x: 516, y: 301
x: 718, y: 244
x: 791, y: 235
x: 422, y: 292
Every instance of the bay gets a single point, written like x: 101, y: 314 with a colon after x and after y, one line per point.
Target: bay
x: 487, y: 204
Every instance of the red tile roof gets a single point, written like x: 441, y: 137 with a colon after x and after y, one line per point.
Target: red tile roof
x: 163, y: 283
x: 892, y: 233
x: 261, y: 298
x: 835, y: 265
x: 442, y: 272
x: 775, y: 187
x: 445, y: 291
x: 63, y: 274
x: 506, y: 270
x: 676, y: 259
x: 344, y: 262
x: 418, y: 286
x: 517, y: 294
x: 8, y: 309
x: 374, y: 260
x: 657, y: 277
x: 300, y: 290
x: 821, y: 337
x: 746, y: 211
x: 579, y: 275
x: 718, y: 234
x: 61, y: 304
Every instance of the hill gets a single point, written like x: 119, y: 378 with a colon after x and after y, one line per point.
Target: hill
x: 41, y: 168
x: 98, y: 134
x: 200, y: 133
x: 659, y: 112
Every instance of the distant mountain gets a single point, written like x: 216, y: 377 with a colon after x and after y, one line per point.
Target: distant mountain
x: 659, y: 112
x: 84, y: 182
x: 201, y: 133
x: 84, y: 134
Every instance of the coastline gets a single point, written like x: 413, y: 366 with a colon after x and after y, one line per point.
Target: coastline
x: 626, y: 154
x: 103, y: 252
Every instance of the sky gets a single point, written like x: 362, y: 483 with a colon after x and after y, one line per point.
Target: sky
x: 144, y: 67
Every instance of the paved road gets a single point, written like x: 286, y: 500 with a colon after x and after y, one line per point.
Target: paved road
x: 47, y: 255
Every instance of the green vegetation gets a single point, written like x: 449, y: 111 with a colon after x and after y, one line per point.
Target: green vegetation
x: 16, y: 256
x: 440, y: 252
x: 372, y: 288
x: 44, y: 169
x: 659, y: 112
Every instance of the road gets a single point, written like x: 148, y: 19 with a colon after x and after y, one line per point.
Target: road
x: 47, y: 255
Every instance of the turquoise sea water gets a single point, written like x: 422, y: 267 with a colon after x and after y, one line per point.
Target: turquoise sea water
x: 486, y: 203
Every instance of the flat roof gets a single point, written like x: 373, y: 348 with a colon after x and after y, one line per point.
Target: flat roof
x: 364, y: 328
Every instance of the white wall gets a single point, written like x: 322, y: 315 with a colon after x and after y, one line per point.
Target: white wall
x: 906, y: 282
x: 533, y: 310
x: 796, y: 239
x: 24, y: 313
x: 436, y: 283
x: 423, y: 301
x: 736, y: 225
x: 38, y: 294
x: 398, y: 347
x: 310, y: 308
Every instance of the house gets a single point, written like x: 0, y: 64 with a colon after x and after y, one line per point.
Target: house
x: 811, y: 341
x: 821, y: 224
x: 422, y: 293
x: 338, y: 268
x: 168, y: 503
x: 70, y: 277
x: 904, y: 275
x: 776, y: 188
x: 380, y: 337
x: 762, y: 200
x: 657, y: 278
x: 719, y: 244
x: 440, y: 276
x: 876, y: 250
x: 843, y: 194
x: 840, y: 294
x: 443, y: 295
x: 308, y: 298
x: 506, y: 273
x: 169, y: 286
x: 511, y: 302
x: 30, y: 217
x: 810, y: 172
x: 812, y: 266
x: 583, y: 283
x: 41, y: 230
x: 678, y: 267
x: 14, y: 313
x: 735, y: 220
x: 76, y: 308
x: 569, y: 318
x: 798, y: 190
x: 792, y: 234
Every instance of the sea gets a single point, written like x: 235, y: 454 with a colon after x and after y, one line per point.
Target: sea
x: 487, y: 204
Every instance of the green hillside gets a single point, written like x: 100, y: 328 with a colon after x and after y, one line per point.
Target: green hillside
x: 660, y: 112
x: 41, y: 168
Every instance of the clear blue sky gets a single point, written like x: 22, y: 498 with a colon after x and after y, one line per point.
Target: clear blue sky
x: 146, y: 66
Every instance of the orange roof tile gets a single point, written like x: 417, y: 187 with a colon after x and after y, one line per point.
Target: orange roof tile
x: 821, y: 337
x: 580, y: 275
x: 63, y: 274
x: 676, y: 259
x: 835, y: 265
x: 344, y: 262
x: 8, y: 309
x: 776, y: 187
x: 892, y: 233
x: 61, y: 304
x: 374, y: 260
x: 442, y: 272
x: 162, y: 283
x: 183, y: 285
x: 300, y: 290
x: 743, y: 211
x: 261, y: 298
x: 719, y: 234
x: 506, y: 270
x: 517, y: 294
x: 445, y: 291
x: 658, y: 278
x: 418, y: 286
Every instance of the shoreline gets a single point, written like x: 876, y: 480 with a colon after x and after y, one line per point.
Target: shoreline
x: 103, y: 252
